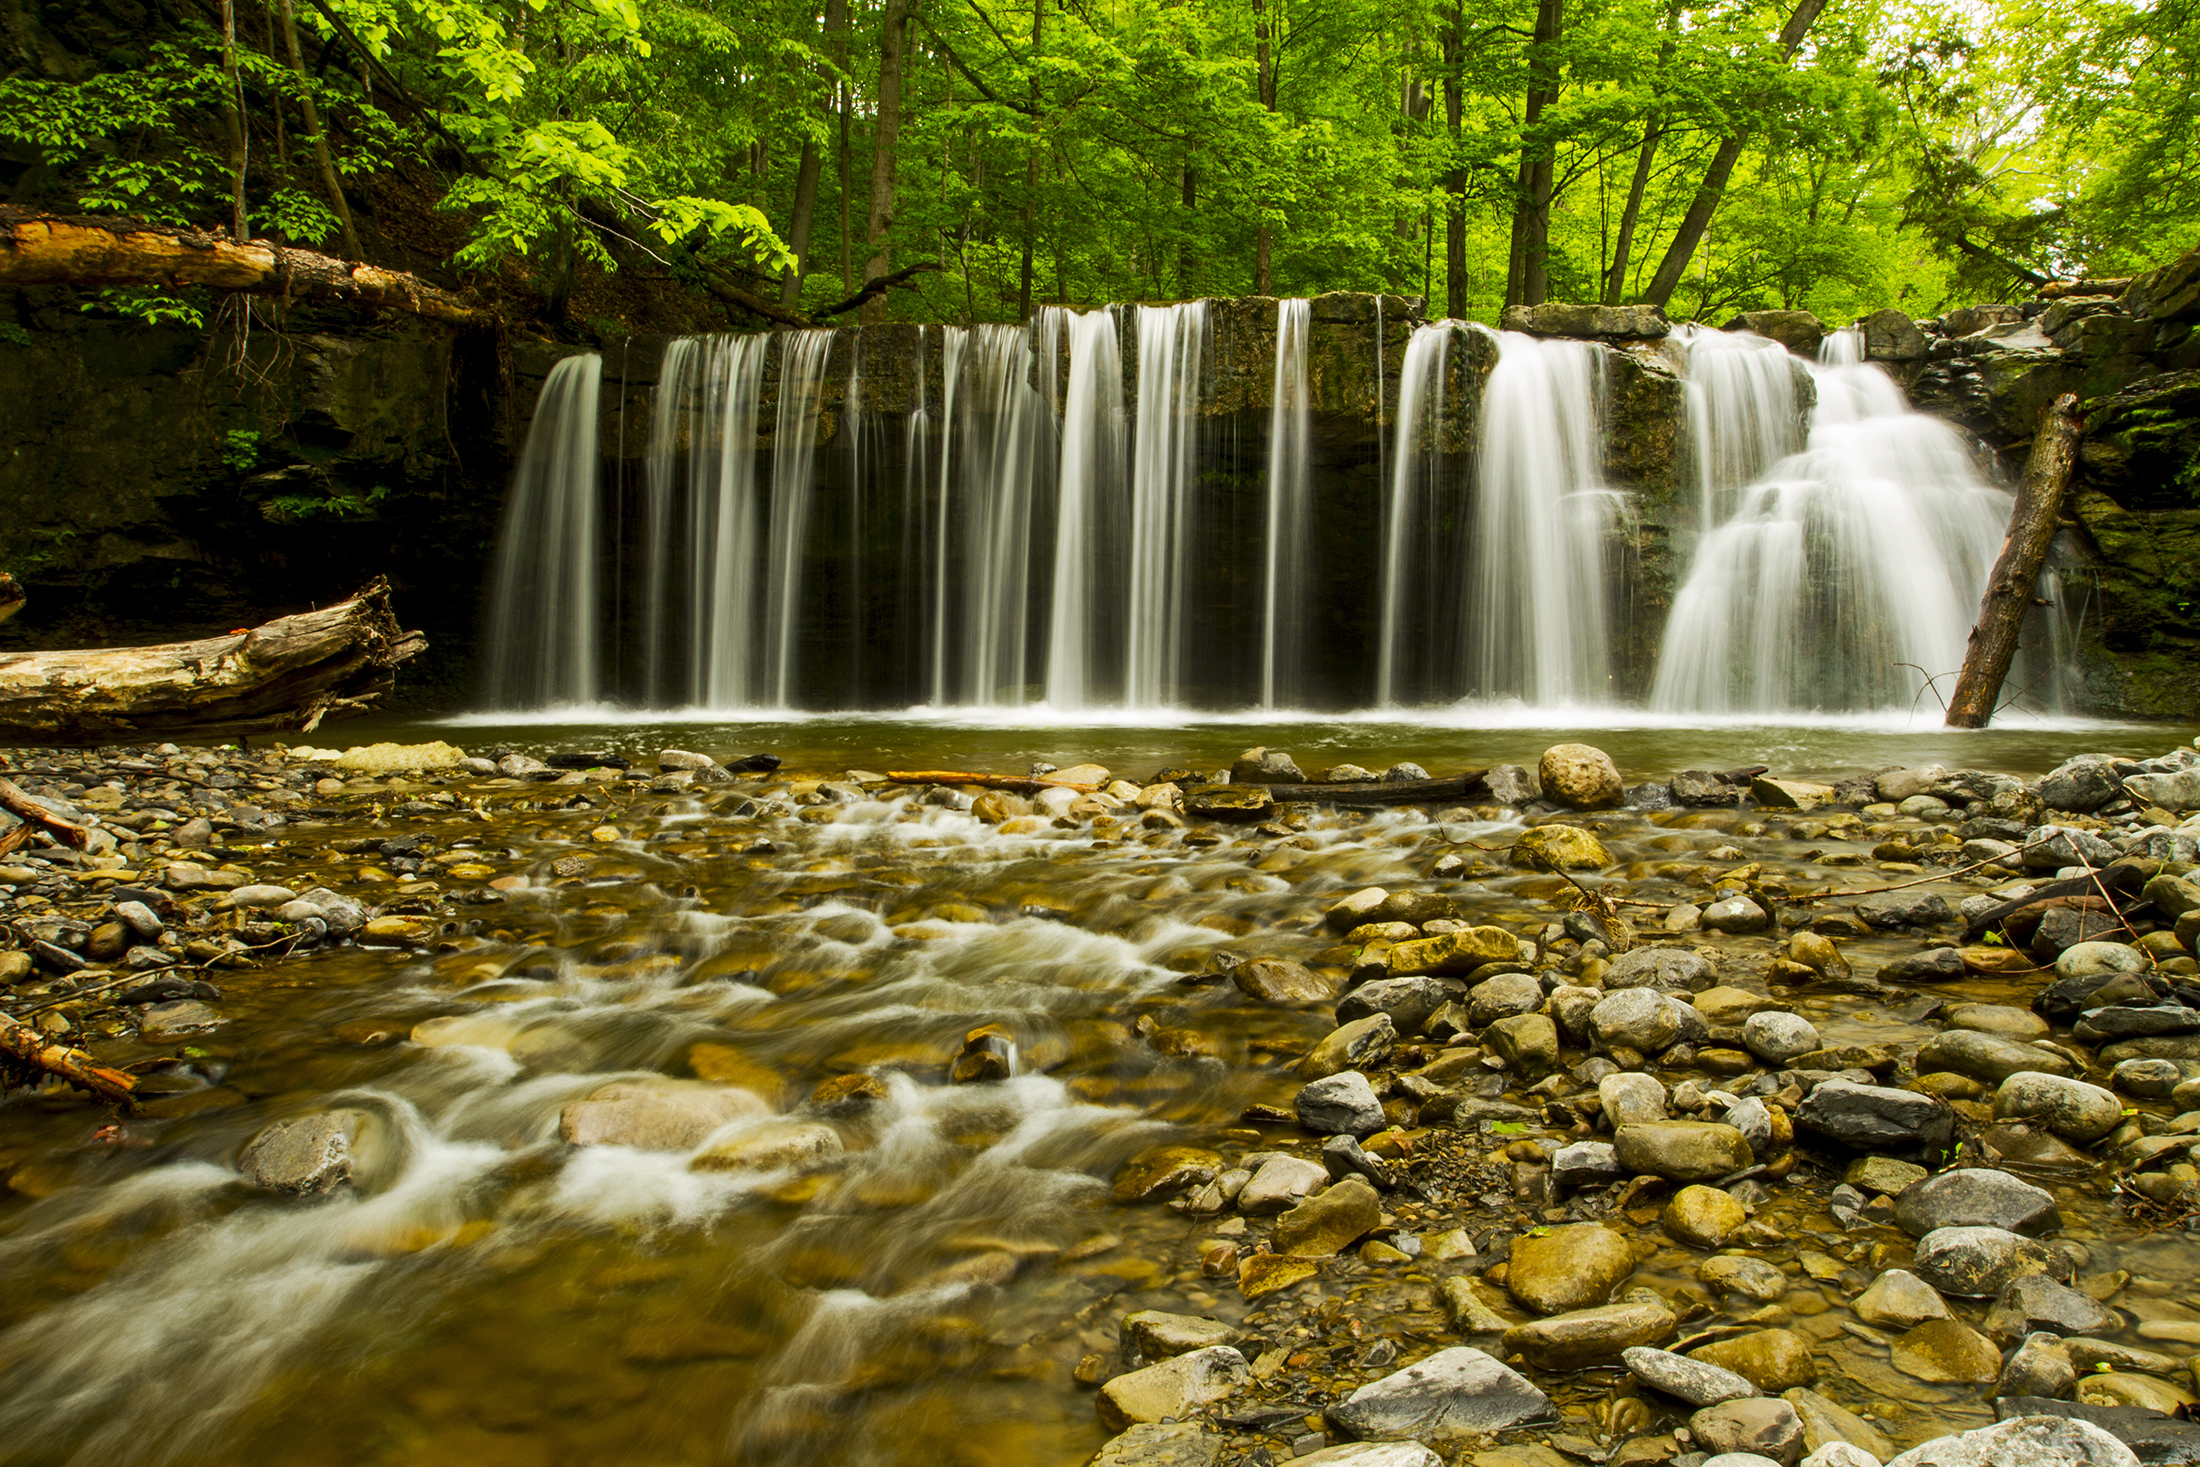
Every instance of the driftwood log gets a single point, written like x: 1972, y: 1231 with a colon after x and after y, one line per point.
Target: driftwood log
x: 52, y: 249
x: 1382, y: 792
x: 289, y: 674
x: 30, y: 816
x: 2013, y: 585
x: 1014, y: 783
x: 31, y: 1050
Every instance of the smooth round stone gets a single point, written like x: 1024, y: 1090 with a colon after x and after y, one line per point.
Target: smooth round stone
x: 1736, y: 916
x: 1899, y: 1299
x: 2149, y: 1079
x: 1689, y: 1380
x: 2007, y: 1020
x: 1777, y: 1037
x: 1946, y: 1352
x: 1975, y: 1197
x: 1752, y: 1278
x: 1975, y: 1262
x: 1631, y: 1098
x: 1568, y: 1268
x: 2071, y: 1109
x: 1772, y: 1359
x: 1703, y: 1217
x: 2098, y: 959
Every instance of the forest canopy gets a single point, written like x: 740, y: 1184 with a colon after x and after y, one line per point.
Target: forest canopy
x: 986, y: 156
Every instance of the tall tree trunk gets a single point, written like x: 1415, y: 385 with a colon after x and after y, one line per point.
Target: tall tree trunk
x: 1187, y: 254
x: 1265, y: 79
x: 1031, y: 169
x: 1698, y: 219
x: 321, y: 159
x: 802, y: 222
x: 1455, y: 177
x: 1528, y: 277
x: 847, y: 225
x: 233, y: 121
x: 893, y: 50
x: 1653, y: 133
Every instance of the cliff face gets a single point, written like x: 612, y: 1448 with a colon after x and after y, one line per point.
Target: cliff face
x: 159, y: 482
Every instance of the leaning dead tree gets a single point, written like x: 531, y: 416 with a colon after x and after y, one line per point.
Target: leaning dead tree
x: 51, y: 249
x: 2012, y: 588
x: 288, y: 674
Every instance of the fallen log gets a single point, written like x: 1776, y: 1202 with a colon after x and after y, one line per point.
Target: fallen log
x: 32, y: 816
x: 1014, y: 783
x: 52, y: 249
x: 30, y: 1050
x: 2013, y: 584
x: 287, y: 675
x: 1379, y: 792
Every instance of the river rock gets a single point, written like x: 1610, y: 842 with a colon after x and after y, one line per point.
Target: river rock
x: 1777, y: 1036
x: 1791, y: 794
x: 1826, y: 1426
x: 1570, y: 1267
x: 2079, y: 787
x: 1342, y: 1104
x: 1883, y: 1174
x: 1502, y: 997
x: 2053, y: 847
x: 1631, y: 1098
x: 1343, y: 1157
x: 1904, y: 910
x: 1327, y: 1223
x: 2100, y: 959
x: 1683, y: 1151
x: 1752, y: 1278
x: 165, y: 1023
x: 1735, y: 916
x: 1639, y: 1019
x: 1454, y: 954
x: 1356, y: 909
x: 1975, y: 1263
x: 1417, y: 907
x: 2071, y: 1109
x: 1703, y: 1217
x: 1585, y: 1164
x: 1453, y: 1393
x: 1580, y: 776
x: 1172, y: 1388
x: 1760, y: 1425
x: 1511, y: 785
x: 659, y: 1115
x: 1988, y: 1057
x: 2172, y: 896
x: 1154, y: 1444
x: 1689, y: 1380
x: 1266, y: 766
x: 1667, y: 969
x: 1164, y: 1171
x: 1560, y: 848
x: 1773, y: 1360
x: 1362, y: 1043
x: 1279, y: 980
x: 1583, y: 1337
x: 1154, y: 1334
x: 2034, y: 1303
x: 774, y: 1146
x: 2028, y: 1441
x: 2114, y: 1388
x: 2177, y: 791
x: 1279, y: 1184
x: 1236, y: 803
x: 2039, y: 1366
x: 1408, y: 1001
x: 1703, y: 789
x: 1975, y: 1197
x: 1933, y: 965
x: 2006, y: 1020
x: 1899, y: 1299
x: 306, y: 1155
x: 1946, y: 1352
x: 1371, y: 1454
x: 1619, y: 323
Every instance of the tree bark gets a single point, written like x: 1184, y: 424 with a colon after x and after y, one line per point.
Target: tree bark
x: 1538, y: 156
x: 1264, y: 80
x: 349, y: 233
x: 2011, y: 588
x: 233, y: 121
x: 288, y: 674
x: 24, y: 1044
x: 32, y: 816
x: 1653, y: 133
x: 893, y: 49
x: 1031, y: 170
x: 47, y: 249
x: 1455, y: 177
x: 1393, y: 792
x: 1698, y: 218
x: 804, y: 218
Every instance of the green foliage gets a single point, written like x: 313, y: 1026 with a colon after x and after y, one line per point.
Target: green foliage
x: 13, y: 334
x: 150, y: 305
x: 240, y: 450
x: 287, y: 509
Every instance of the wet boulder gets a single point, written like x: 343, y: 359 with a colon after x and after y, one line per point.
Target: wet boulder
x: 1280, y: 980
x: 1684, y: 1379
x: 2072, y: 1109
x: 2034, y: 1303
x: 1170, y: 1390
x: 1455, y: 1393
x: 1876, y: 1117
x: 1266, y: 766
x: 1975, y: 1263
x: 1560, y: 848
x: 1946, y: 1352
x: 1971, y: 1197
x: 663, y: 1115
x: 1773, y: 1360
x: 1899, y: 1299
x: 1988, y: 1057
x: 1667, y: 969
x: 1580, y: 1338
x: 1568, y: 1268
x: 1581, y: 777
x: 2027, y: 1441
x: 1408, y: 1001
x: 307, y: 1155
x: 1361, y: 1044
x: 1683, y: 1151
x: 2080, y: 786
x: 1343, y: 1104
x: 1330, y: 1221
x: 1760, y: 1425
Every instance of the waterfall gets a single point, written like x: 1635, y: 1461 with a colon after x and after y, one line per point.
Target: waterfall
x: 543, y: 644
x: 1290, y: 508
x: 1847, y: 572
x: 725, y: 532
x: 670, y: 410
x: 1091, y: 468
x: 1417, y: 474
x: 1165, y: 463
x: 794, y: 451
x: 1536, y: 615
x: 1744, y: 413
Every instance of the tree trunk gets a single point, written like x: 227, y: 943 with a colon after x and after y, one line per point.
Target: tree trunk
x: 893, y: 49
x: 233, y: 121
x: 847, y: 227
x: 329, y: 180
x: 1187, y: 253
x: 288, y: 674
x: 1031, y: 169
x: 2011, y: 588
x: 1455, y: 177
x: 1653, y: 133
x: 42, y: 249
x: 803, y: 220
x: 1538, y: 156
x: 1264, y: 78
x: 1698, y: 219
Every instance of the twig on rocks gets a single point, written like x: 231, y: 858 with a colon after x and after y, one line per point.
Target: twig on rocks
x: 26, y: 1046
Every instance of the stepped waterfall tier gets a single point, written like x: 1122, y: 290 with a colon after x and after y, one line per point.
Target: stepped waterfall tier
x: 1225, y: 505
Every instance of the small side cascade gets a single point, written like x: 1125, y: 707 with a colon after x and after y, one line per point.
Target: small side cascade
x: 1745, y: 413
x: 1284, y: 569
x: 544, y: 645
x: 1164, y: 474
x: 794, y: 453
x: 1094, y: 450
x: 1537, y: 616
x: 1411, y: 574
x: 724, y: 538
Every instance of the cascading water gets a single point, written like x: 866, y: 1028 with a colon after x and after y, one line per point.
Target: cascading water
x: 1164, y: 466
x: 1093, y: 455
x: 1418, y: 472
x: 1847, y: 573
x: 794, y: 449
x: 1538, y: 623
x: 1290, y: 507
x: 543, y: 644
x: 1745, y: 412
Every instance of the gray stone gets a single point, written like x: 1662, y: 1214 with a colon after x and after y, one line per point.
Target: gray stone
x: 1826, y: 1425
x: 1702, y: 789
x: 1988, y: 1057
x: 1341, y: 1104
x: 1891, y: 336
x: 1689, y: 1380
x: 2040, y: 1366
x: 2027, y: 1441
x: 140, y: 919
x: 1752, y: 1278
x: 1759, y: 1424
x: 165, y: 1023
x: 1683, y: 1151
x: 1668, y: 969
x: 306, y: 1155
x: 1777, y: 1036
x: 1342, y: 1157
x: 1631, y: 1098
x: 1876, y: 1117
x: 2149, y: 1079
x: 1586, y: 1164
x: 1735, y: 916
x: 2071, y: 1109
x: 1361, y: 1044
x: 1266, y: 766
x: 1975, y: 1263
x: 1279, y: 1183
x: 1624, y: 323
x: 2095, y: 959
x: 1453, y: 1393
x: 1502, y: 997
x: 1408, y: 1001
x: 2079, y: 787
x: 1902, y: 910
x: 1171, y: 1389
x: 1511, y: 784
x: 1933, y: 965
x: 1152, y: 1334
x: 1634, y: 1018
x: 1369, y: 1454
x: 2028, y: 1305
x: 2053, y: 847
x: 1153, y: 1444
x: 1899, y: 1299
x: 1976, y: 1197
x: 1580, y: 1338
